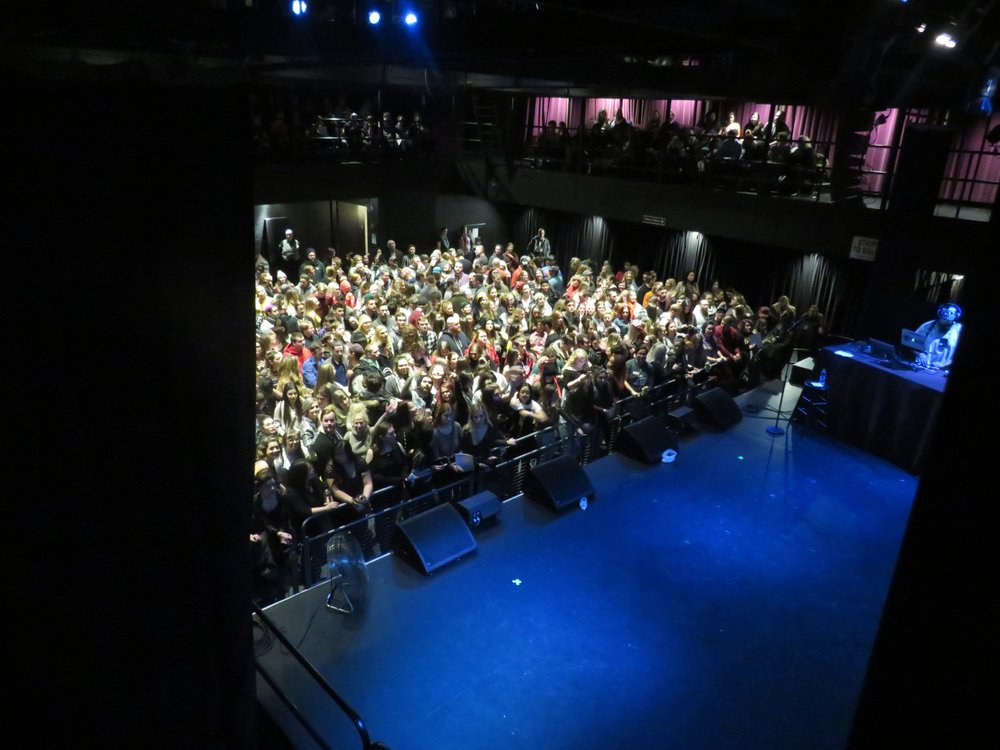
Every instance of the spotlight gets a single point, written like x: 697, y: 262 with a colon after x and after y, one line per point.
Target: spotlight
x: 922, y: 28
x: 410, y: 18
x: 374, y: 17
x: 944, y: 39
x: 299, y: 7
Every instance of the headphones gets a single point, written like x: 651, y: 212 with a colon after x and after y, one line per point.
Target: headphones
x: 950, y: 306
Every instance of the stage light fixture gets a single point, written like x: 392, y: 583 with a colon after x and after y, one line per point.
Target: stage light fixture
x: 410, y: 18
x: 982, y: 105
x: 944, y: 39
x: 299, y: 7
x: 374, y: 17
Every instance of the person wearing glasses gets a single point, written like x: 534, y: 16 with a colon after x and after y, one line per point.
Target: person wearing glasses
x: 940, y: 337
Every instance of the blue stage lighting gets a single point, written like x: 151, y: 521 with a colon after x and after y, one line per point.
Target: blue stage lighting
x: 299, y: 7
x: 374, y: 17
x: 410, y: 18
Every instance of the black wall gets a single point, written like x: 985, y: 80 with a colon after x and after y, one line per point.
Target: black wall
x: 130, y: 500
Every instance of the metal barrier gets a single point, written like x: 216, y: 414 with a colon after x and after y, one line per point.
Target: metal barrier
x: 359, y: 725
x: 376, y: 531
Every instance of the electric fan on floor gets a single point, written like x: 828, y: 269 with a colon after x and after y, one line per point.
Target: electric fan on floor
x: 348, y: 574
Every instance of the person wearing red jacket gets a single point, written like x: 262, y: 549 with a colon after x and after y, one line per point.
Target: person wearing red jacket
x: 297, y: 348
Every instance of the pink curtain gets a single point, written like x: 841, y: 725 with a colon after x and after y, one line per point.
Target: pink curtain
x: 972, y: 172
x: 878, y: 160
x: 687, y: 112
x: 550, y: 108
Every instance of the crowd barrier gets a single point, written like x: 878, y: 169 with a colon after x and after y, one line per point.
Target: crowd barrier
x: 376, y: 532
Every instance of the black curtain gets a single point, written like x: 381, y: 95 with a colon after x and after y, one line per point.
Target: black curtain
x: 936, y: 287
x: 274, y: 232
x: 760, y: 273
x: 571, y: 235
x: 835, y: 285
x: 679, y: 252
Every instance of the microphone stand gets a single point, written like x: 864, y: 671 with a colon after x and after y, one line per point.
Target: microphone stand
x: 774, y: 430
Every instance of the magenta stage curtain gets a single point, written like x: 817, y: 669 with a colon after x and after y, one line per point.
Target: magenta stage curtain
x: 973, y: 168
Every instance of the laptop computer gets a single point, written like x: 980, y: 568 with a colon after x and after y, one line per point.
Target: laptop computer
x: 912, y: 340
x: 882, y: 350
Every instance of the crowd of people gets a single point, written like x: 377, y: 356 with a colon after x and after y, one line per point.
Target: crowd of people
x: 385, y: 369
x: 764, y: 151
x: 321, y: 127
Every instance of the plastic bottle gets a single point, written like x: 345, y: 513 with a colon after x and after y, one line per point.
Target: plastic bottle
x: 822, y: 377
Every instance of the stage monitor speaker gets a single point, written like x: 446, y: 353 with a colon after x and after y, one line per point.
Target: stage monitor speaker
x: 558, y: 483
x: 646, y: 440
x: 718, y: 407
x: 435, y: 538
x: 679, y: 420
x: 802, y: 371
x: 479, y: 508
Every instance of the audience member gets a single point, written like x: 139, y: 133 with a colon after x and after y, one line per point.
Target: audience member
x: 383, y: 371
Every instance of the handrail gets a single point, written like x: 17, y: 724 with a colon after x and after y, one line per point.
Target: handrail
x: 316, y: 518
x: 352, y: 715
x: 296, y: 711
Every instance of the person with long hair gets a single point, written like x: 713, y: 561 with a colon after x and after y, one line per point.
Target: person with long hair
x: 618, y: 374
x: 485, y: 348
x: 340, y: 402
x: 481, y: 439
x: 387, y: 350
x: 326, y: 373
x: 386, y: 458
x: 444, y: 442
x: 309, y: 427
x: 530, y: 414
x: 288, y: 372
x: 288, y: 413
x: 442, y: 352
x: 271, y: 537
x: 305, y: 494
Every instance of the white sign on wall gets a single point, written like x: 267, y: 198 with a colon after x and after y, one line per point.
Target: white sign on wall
x: 864, y: 248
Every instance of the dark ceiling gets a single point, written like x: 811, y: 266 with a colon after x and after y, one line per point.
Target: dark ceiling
x: 784, y: 49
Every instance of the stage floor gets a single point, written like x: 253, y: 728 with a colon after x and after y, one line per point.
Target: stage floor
x: 727, y: 600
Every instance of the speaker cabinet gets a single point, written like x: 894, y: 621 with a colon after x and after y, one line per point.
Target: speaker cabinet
x: 802, y: 371
x: 435, y: 538
x: 718, y: 408
x: 679, y: 420
x: 645, y: 440
x: 559, y: 483
x: 479, y: 508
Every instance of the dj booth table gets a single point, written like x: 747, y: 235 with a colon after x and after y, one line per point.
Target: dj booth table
x: 888, y: 411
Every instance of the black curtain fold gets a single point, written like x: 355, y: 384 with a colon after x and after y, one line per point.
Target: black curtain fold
x: 834, y: 285
x: 760, y: 274
x: 571, y: 236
